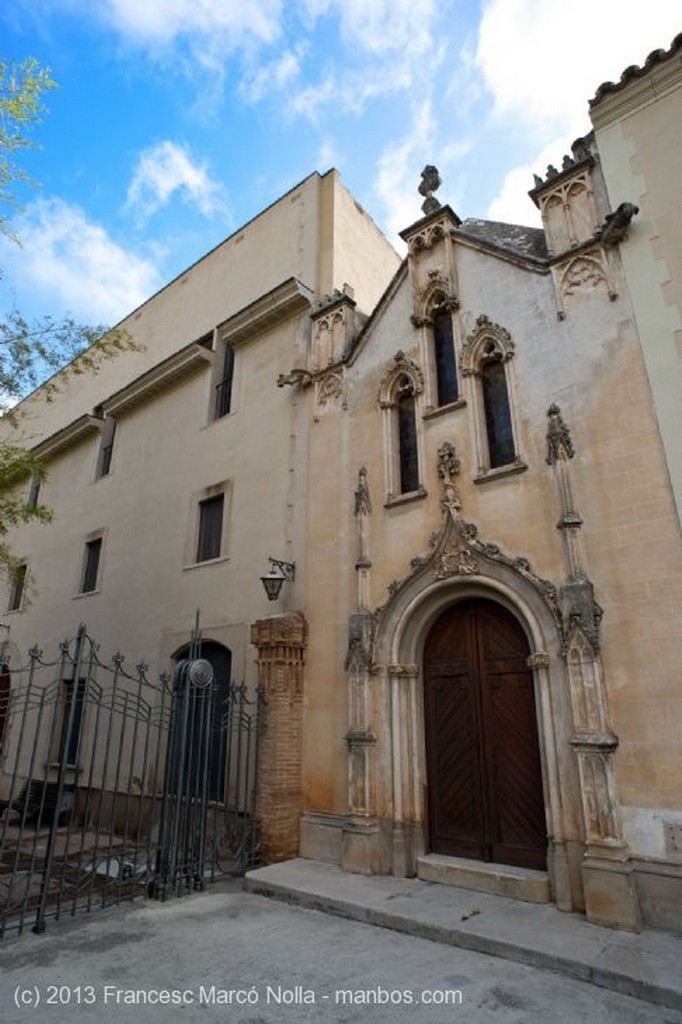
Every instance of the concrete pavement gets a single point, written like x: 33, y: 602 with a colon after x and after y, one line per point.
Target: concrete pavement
x: 647, y: 966
x: 232, y: 956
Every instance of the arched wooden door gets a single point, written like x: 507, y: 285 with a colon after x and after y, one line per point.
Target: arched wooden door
x: 483, y: 759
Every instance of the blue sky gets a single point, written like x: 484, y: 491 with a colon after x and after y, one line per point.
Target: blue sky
x: 176, y: 121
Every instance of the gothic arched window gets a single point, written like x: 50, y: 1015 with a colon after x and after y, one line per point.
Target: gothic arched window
x: 407, y: 438
x: 444, y: 358
x: 486, y: 360
x: 399, y: 399
x: 498, y: 422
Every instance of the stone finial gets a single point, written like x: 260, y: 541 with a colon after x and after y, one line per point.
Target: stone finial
x: 430, y: 183
x: 559, y: 443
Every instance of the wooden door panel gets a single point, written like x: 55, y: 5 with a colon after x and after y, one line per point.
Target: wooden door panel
x: 455, y: 814
x: 483, y: 761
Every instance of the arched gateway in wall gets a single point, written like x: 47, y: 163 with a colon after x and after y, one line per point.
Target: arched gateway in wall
x: 478, y: 720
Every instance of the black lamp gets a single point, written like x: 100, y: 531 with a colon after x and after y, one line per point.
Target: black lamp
x: 279, y: 573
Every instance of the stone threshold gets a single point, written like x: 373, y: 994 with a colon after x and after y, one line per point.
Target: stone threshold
x: 644, y: 965
x: 478, y: 876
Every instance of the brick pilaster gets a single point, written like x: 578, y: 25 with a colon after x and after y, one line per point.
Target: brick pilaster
x: 281, y: 642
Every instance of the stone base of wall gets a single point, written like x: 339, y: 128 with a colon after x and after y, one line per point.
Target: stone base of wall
x: 659, y: 888
x: 611, y: 894
x: 321, y: 836
x: 655, y: 885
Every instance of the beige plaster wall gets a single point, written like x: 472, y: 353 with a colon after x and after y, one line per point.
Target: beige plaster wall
x: 638, y: 133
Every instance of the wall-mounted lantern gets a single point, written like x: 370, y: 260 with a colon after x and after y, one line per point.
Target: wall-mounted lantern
x: 279, y: 573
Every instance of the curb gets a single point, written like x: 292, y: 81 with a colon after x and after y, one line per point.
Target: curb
x: 608, y: 978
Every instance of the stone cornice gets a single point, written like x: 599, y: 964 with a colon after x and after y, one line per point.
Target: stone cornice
x: 68, y: 436
x: 188, y: 360
x: 282, y: 302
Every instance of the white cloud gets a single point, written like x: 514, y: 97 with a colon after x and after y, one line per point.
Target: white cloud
x: 512, y: 204
x: 542, y: 61
x: 166, y: 169
x: 271, y: 77
x: 230, y: 22
x: 380, y: 26
x: 399, y: 168
x: 75, y: 266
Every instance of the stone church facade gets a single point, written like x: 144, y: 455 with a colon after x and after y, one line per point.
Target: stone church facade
x: 473, y: 674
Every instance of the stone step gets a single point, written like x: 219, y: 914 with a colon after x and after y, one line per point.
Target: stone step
x: 499, y: 879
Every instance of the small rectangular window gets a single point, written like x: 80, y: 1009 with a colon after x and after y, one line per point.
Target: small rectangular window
x: 106, y: 448
x: 93, y: 551
x: 223, y: 402
x: 34, y: 491
x: 5, y: 697
x: 16, y: 593
x: 210, y: 528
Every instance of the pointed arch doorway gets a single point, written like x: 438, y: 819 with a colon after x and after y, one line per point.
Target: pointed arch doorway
x: 485, y: 795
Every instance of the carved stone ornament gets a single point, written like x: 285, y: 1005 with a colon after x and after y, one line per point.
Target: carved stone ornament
x: 404, y: 373
x: 581, y: 613
x: 488, y: 342
x: 448, y: 469
x: 295, y: 378
x: 540, y: 659
x: 616, y: 225
x: 360, y: 635
x: 363, y: 504
x: 430, y: 183
x: 582, y: 274
x: 455, y: 550
x: 329, y: 388
x: 559, y: 444
x: 429, y: 236
x: 435, y: 297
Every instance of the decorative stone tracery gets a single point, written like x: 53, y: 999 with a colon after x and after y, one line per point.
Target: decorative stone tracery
x: 487, y: 342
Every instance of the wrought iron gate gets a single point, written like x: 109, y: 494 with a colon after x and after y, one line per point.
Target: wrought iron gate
x: 114, y: 786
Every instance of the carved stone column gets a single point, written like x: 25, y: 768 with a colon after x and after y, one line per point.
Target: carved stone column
x: 360, y: 849
x: 409, y: 779
x: 281, y: 643
x: 610, y: 894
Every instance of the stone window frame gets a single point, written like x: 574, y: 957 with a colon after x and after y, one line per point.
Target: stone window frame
x: 105, y: 453
x: 405, y: 374
x: 490, y: 342
x: 17, y: 589
x: 96, y: 540
x: 192, y: 538
x: 437, y: 298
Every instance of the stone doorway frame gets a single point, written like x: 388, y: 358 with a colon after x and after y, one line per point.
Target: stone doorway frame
x: 399, y: 650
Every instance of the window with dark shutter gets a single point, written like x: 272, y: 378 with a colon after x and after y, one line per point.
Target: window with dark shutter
x: 210, y: 528
x: 93, y: 551
x: 224, y: 387
x: 5, y: 693
x: 106, y: 448
x: 16, y: 593
x: 34, y: 491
